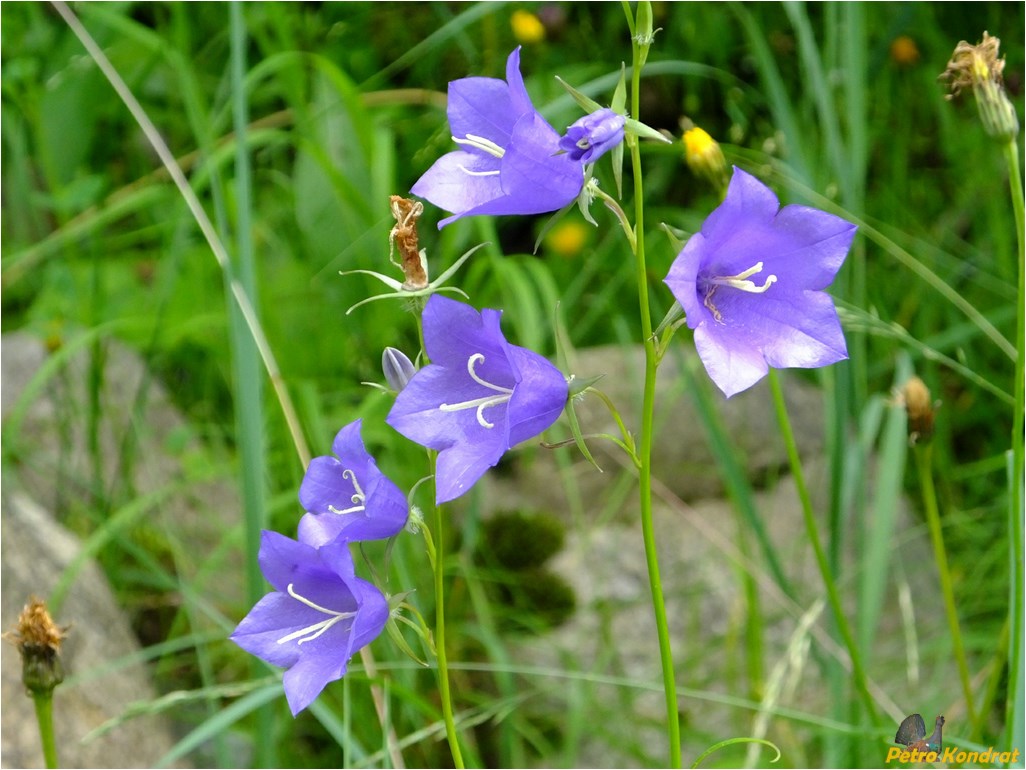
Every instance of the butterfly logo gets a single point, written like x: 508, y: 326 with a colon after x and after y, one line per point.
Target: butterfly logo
x: 912, y: 733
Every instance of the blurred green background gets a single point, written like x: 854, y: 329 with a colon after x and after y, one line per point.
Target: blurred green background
x: 835, y: 105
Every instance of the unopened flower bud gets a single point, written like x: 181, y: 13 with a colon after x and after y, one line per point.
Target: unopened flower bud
x: 593, y: 135
x: 920, y: 409
x: 978, y: 67
x: 397, y: 367
x: 704, y: 157
x: 38, y: 640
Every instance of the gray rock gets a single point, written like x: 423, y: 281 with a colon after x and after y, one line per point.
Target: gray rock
x: 100, y: 655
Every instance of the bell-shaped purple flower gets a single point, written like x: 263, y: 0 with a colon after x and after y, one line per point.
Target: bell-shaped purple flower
x: 315, y: 620
x: 592, y: 136
x: 751, y: 285
x: 478, y: 397
x: 348, y: 494
x: 509, y: 162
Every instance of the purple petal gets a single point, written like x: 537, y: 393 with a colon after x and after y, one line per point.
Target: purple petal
x: 463, y: 463
x: 538, y: 400
x: 731, y: 364
x: 517, y: 91
x: 309, y: 676
x: 448, y: 185
x: 481, y: 106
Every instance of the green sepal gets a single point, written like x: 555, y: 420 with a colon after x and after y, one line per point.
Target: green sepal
x: 642, y: 131
x: 420, y: 627
x: 575, y: 431
x: 586, y: 103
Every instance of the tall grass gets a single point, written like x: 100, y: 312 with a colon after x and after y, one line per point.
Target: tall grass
x: 292, y: 125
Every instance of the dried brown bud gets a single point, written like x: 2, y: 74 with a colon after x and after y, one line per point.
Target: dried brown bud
x: 404, y: 237
x: 979, y: 68
x: 920, y: 409
x: 38, y: 640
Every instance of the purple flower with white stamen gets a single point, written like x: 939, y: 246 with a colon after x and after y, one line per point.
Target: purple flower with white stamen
x: 751, y: 285
x: 315, y: 620
x: 478, y: 397
x: 593, y: 136
x: 348, y: 494
x: 509, y: 161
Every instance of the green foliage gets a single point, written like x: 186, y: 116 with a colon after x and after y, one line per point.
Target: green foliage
x: 346, y: 107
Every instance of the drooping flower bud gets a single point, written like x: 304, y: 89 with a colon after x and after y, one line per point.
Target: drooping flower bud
x: 593, y: 135
x: 398, y: 368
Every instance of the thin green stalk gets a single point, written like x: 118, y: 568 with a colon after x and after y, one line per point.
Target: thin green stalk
x: 1013, y: 722
x: 647, y: 429
x: 443, y: 665
x: 811, y: 528
x: 924, y: 455
x: 245, y: 361
x: 44, y: 716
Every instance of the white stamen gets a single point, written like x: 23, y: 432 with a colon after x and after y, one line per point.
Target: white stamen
x: 358, y: 498
x: 316, y: 629
x: 468, y: 172
x: 485, y: 145
x: 739, y: 282
x: 480, y: 404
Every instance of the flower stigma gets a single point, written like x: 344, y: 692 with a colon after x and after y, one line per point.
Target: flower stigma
x: 739, y: 282
x: 479, y: 403
x: 316, y: 629
x: 358, y: 498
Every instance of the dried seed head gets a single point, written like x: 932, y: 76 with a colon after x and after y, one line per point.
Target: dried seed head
x: 38, y: 640
x: 915, y: 396
x: 979, y: 68
x: 404, y: 237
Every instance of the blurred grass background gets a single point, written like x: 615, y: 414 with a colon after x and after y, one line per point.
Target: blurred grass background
x: 836, y: 105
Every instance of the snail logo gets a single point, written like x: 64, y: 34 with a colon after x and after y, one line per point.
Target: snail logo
x: 920, y: 748
x: 912, y: 733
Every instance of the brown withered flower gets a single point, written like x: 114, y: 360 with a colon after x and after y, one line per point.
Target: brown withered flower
x: 38, y: 640
x: 915, y: 397
x: 978, y: 67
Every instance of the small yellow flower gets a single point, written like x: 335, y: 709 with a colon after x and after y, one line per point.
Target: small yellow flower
x: 527, y: 28
x: 567, y: 239
x: 704, y: 157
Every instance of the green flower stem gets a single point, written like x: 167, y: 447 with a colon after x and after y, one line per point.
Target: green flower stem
x: 443, y: 665
x: 812, y: 530
x: 1015, y: 502
x: 924, y: 455
x: 44, y: 715
x: 647, y: 426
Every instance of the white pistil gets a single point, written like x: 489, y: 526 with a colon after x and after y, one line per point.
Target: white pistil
x: 358, y: 498
x: 485, y: 145
x: 739, y: 282
x: 480, y: 404
x: 314, y: 630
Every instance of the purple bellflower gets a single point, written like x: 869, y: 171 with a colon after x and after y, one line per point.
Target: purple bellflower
x: 509, y: 162
x: 593, y: 136
x: 751, y: 285
x: 478, y: 397
x: 317, y: 617
x: 348, y: 494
